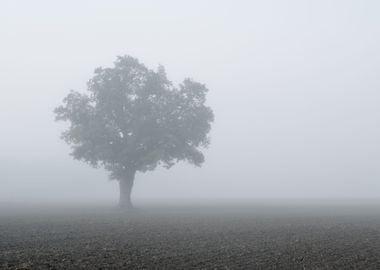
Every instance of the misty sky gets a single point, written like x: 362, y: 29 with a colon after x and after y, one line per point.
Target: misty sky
x: 294, y: 86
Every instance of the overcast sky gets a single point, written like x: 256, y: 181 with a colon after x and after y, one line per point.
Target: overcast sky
x: 294, y: 86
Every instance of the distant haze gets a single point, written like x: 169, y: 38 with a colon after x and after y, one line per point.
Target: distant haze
x: 294, y: 86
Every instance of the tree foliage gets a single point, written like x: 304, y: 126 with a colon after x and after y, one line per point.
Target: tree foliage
x: 133, y: 119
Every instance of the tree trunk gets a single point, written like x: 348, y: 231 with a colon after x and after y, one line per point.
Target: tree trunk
x: 126, y: 185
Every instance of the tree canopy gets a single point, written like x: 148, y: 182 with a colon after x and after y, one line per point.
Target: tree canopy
x: 133, y: 118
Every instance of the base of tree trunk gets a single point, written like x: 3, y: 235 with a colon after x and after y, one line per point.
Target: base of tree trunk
x: 126, y: 206
x: 128, y: 210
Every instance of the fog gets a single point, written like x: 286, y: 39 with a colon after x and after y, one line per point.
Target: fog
x: 293, y: 85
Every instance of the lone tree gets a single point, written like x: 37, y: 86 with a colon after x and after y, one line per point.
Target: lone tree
x: 134, y: 119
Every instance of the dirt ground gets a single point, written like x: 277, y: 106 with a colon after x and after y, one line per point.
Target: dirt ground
x: 158, y: 238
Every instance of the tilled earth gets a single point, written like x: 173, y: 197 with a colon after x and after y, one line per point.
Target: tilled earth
x: 188, y: 239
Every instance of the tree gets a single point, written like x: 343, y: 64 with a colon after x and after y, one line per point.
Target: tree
x: 133, y: 119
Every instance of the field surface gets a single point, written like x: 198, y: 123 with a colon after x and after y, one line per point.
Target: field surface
x: 257, y: 237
